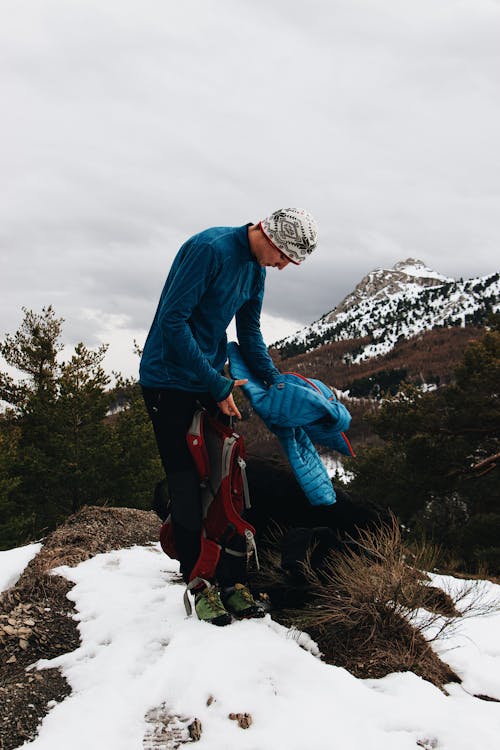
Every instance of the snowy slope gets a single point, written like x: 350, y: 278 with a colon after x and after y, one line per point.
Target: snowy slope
x: 400, y: 302
x: 14, y: 561
x: 139, y: 653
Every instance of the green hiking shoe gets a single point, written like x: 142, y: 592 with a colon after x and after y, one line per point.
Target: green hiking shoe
x: 240, y: 602
x: 209, y: 607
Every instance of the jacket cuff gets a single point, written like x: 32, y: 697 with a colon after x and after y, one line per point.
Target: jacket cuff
x: 224, y: 390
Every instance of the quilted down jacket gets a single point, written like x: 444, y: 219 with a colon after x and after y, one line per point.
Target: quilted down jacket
x: 300, y: 412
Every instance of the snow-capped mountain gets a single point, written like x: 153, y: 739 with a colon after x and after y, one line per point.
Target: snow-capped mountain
x: 395, y: 303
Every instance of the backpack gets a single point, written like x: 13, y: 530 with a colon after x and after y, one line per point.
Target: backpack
x: 219, y: 456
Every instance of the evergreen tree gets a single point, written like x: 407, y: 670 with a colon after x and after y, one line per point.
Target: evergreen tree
x: 136, y: 464
x: 33, y: 351
x: 437, y: 464
x: 60, y: 446
x: 80, y: 438
x: 13, y: 527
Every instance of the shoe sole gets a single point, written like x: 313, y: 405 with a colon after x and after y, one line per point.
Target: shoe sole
x: 253, y: 615
x: 220, y: 620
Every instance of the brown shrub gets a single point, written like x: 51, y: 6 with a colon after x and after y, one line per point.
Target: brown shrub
x: 371, y: 607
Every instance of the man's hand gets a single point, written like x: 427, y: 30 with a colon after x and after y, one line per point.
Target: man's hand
x: 228, y: 406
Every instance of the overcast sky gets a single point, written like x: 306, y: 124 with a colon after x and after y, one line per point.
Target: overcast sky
x: 127, y: 126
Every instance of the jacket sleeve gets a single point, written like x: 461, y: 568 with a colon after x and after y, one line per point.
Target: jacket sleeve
x: 250, y: 339
x: 193, y: 275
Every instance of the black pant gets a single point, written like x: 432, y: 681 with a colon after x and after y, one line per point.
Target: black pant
x: 171, y: 412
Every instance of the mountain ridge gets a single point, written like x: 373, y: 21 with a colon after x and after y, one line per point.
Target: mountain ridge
x: 409, y: 271
x: 388, y: 305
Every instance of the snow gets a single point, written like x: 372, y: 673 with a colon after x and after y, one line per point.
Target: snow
x: 393, y: 309
x: 336, y: 469
x: 14, y: 561
x: 139, y: 651
x: 471, y: 651
x: 417, y: 268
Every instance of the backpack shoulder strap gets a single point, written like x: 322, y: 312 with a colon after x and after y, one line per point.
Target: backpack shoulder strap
x: 219, y: 456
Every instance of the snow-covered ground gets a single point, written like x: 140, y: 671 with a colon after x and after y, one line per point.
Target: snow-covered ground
x: 139, y: 652
x: 13, y: 562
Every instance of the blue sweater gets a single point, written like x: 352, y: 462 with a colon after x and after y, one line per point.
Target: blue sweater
x: 213, y: 278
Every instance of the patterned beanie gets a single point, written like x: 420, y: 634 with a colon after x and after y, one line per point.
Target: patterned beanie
x: 292, y: 231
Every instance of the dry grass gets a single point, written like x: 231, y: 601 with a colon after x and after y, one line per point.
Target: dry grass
x: 371, y: 609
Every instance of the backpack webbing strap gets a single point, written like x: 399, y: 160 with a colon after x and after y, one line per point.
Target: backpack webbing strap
x: 246, y: 492
x: 251, y: 547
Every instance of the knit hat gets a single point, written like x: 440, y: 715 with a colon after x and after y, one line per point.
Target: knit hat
x: 292, y: 231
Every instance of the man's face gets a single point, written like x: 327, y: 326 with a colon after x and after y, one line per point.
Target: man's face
x: 269, y: 255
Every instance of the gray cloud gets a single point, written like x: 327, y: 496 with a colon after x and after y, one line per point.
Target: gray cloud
x: 127, y: 126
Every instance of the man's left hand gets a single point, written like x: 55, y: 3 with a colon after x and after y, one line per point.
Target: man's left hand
x: 228, y: 406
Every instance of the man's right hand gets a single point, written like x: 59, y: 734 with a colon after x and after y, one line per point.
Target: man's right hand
x: 228, y: 406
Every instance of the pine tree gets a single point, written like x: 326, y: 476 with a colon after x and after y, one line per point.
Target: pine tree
x: 33, y: 351
x: 80, y: 436
x: 13, y: 527
x: 437, y: 464
x: 136, y: 467
x: 60, y: 446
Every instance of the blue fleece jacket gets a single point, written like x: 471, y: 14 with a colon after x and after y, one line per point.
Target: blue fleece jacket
x: 213, y: 278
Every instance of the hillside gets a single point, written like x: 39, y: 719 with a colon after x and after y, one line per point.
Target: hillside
x: 111, y: 661
x: 407, y: 324
x: 426, y: 358
x: 390, y: 305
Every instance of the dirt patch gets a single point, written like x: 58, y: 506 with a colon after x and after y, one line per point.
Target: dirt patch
x: 36, y: 617
x: 398, y: 647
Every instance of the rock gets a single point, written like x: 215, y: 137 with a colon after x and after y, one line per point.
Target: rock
x: 194, y: 730
x: 244, y: 720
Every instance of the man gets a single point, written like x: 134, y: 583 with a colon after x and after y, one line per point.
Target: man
x: 216, y: 275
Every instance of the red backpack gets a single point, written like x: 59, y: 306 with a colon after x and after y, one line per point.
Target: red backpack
x: 219, y: 456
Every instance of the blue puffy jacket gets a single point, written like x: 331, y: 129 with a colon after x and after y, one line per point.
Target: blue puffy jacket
x: 300, y: 412
x: 213, y: 278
